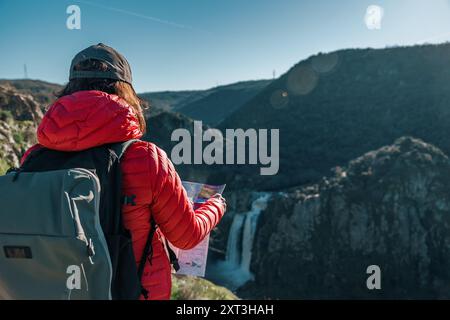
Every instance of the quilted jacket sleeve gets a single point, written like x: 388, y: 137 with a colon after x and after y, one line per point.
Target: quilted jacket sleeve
x: 171, y: 207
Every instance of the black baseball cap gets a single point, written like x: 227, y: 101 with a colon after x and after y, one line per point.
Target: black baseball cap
x: 118, y: 66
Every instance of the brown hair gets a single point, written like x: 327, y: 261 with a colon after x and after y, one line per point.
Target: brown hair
x: 120, y: 88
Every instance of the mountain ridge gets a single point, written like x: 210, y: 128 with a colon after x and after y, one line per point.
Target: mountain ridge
x: 332, y: 107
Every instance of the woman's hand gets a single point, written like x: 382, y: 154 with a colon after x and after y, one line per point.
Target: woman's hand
x: 222, y: 199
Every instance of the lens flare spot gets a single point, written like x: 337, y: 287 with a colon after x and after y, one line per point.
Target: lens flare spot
x: 279, y: 99
x: 324, y: 63
x: 302, y: 80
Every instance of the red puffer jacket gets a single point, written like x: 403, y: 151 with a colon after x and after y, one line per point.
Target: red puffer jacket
x: 87, y: 119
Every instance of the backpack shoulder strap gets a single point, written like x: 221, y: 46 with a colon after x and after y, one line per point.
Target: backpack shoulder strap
x: 119, y: 148
x: 147, y: 255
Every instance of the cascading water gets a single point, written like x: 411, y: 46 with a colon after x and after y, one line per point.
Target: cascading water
x: 250, y: 225
x: 235, y: 270
x: 234, y: 240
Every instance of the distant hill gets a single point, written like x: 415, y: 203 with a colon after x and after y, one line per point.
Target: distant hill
x: 42, y: 91
x: 332, y: 107
x: 211, y: 105
x: 223, y: 101
x: 172, y: 100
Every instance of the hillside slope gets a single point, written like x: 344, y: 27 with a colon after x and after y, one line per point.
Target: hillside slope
x: 43, y: 92
x: 332, y: 107
x: 211, y: 105
x: 172, y: 100
x: 223, y: 101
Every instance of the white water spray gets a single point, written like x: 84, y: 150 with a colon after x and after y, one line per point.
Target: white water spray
x: 234, y: 240
x: 235, y: 270
x: 249, y: 232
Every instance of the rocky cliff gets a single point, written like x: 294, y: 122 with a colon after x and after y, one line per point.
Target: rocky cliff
x: 19, y: 116
x: 43, y: 92
x: 389, y: 207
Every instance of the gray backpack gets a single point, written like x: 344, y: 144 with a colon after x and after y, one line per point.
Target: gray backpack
x: 61, y: 232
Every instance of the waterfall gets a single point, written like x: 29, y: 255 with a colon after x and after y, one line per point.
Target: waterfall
x: 249, y: 232
x: 234, y: 240
x: 235, y: 270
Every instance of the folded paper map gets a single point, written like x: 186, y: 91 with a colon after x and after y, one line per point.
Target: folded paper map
x: 193, y: 261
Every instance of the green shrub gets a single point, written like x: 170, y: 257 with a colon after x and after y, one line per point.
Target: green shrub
x: 6, y: 115
x: 4, y: 166
x: 193, y: 288
x: 19, y: 138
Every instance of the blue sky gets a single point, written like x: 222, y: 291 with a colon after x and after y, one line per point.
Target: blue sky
x: 197, y: 44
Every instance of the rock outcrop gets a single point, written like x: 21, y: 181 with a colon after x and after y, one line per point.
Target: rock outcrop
x: 19, y: 116
x: 390, y: 208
